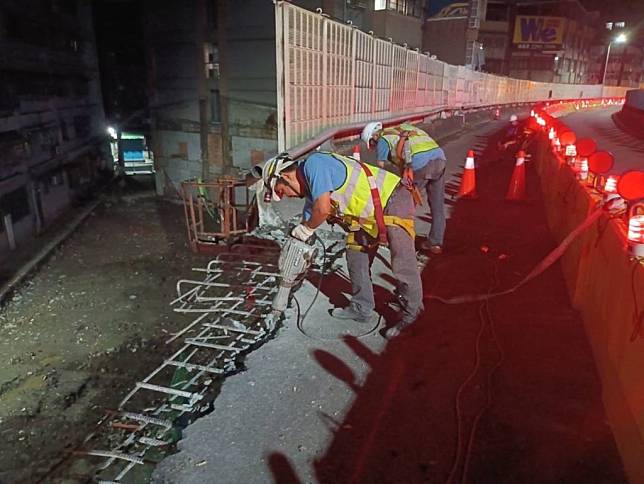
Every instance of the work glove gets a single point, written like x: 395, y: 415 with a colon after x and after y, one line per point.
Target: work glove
x: 302, y: 232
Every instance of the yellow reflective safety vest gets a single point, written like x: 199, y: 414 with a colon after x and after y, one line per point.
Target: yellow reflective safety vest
x: 419, y: 140
x: 353, y: 202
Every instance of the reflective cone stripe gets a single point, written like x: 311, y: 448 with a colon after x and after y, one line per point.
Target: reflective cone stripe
x: 468, y: 182
x: 581, y: 167
x: 356, y: 153
x: 516, y: 190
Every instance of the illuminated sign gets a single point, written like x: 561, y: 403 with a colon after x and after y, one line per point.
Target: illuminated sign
x: 533, y: 32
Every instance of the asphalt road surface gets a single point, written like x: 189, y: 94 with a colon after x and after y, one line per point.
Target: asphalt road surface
x: 597, y: 124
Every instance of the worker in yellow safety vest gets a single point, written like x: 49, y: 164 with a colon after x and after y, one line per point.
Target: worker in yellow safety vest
x: 374, y: 208
x: 421, y: 163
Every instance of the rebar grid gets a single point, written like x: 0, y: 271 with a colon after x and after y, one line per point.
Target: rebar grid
x: 231, y: 298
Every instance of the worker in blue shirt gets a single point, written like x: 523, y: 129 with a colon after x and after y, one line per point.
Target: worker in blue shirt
x: 373, y: 207
x: 412, y: 149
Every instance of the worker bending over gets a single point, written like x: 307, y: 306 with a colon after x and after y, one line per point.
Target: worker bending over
x: 420, y: 161
x: 516, y: 136
x: 373, y: 206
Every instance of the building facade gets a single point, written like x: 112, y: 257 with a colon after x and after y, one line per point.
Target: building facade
x: 552, y: 42
x: 536, y: 40
x: 621, y: 64
x: 212, y: 78
x: 212, y: 88
x: 52, y: 127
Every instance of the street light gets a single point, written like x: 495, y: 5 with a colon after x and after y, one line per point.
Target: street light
x: 620, y: 39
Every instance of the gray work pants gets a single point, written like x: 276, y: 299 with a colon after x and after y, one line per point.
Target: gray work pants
x: 403, y: 262
x: 431, y: 179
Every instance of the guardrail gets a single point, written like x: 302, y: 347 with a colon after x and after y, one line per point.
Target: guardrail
x: 207, y: 229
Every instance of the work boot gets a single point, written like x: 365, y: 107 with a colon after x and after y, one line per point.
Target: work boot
x: 432, y: 248
x: 394, y: 331
x: 350, y: 314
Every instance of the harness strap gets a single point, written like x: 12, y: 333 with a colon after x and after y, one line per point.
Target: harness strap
x: 378, y: 210
x: 406, y: 172
x: 400, y: 147
x: 407, y: 224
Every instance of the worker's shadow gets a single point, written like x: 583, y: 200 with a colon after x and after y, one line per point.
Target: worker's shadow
x: 282, y: 469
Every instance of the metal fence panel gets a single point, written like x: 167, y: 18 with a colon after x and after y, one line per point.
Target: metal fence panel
x: 331, y: 74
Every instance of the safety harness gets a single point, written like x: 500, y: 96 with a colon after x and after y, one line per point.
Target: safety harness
x: 381, y: 219
x: 378, y: 209
x: 406, y: 172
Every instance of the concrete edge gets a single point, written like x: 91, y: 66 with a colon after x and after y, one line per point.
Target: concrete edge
x: 10, y: 286
x: 599, y: 273
x: 626, y: 128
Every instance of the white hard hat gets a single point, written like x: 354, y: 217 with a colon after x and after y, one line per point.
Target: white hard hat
x: 270, y: 172
x: 369, y: 130
x: 513, y: 118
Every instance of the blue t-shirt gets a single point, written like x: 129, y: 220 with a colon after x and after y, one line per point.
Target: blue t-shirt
x: 382, y: 150
x: 323, y: 173
x: 418, y: 161
x: 512, y: 132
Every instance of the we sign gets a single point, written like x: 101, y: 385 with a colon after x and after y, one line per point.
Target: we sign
x: 530, y: 29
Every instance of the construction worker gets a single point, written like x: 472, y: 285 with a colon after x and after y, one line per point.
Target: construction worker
x: 373, y: 207
x: 516, y: 136
x: 512, y: 133
x: 421, y: 162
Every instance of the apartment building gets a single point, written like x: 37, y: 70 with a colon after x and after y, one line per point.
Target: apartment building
x: 538, y: 40
x: 212, y: 77
x: 52, y: 127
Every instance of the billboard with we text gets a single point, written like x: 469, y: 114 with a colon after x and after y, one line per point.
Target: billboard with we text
x: 535, y: 32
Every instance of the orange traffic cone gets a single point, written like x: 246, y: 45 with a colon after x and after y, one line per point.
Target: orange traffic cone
x: 356, y: 152
x: 468, y: 182
x: 516, y: 190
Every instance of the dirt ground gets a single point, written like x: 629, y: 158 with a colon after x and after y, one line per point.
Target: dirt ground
x: 99, y: 306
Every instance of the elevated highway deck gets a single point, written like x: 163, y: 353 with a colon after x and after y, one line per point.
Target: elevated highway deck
x: 503, y: 391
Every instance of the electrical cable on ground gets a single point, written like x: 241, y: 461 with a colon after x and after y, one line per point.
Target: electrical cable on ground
x: 550, y: 259
x: 457, y: 406
x: 301, y: 317
x: 484, y: 299
x: 486, y: 323
x: 490, y: 376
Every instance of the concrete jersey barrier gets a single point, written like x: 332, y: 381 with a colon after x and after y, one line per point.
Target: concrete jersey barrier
x: 607, y: 286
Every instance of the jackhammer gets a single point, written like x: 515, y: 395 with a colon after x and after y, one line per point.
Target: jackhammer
x: 295, y: 258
